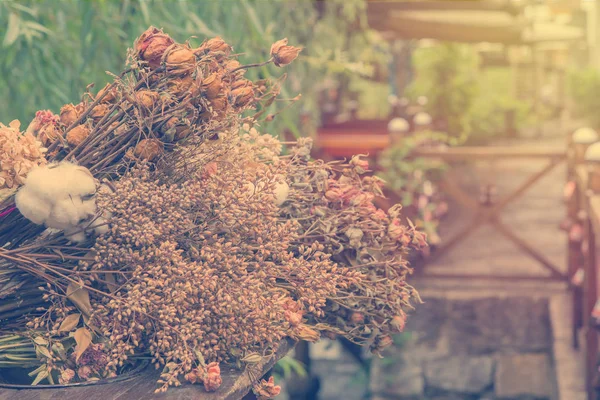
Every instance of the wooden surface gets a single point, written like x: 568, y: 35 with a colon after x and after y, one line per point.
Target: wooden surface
x: 235, y: 386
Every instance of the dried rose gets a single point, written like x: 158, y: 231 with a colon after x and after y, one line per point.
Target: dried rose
x: 266, y: 390
x: 99, y: 111
x: 180, y: 86
x: 110, y: 96
x: 68, y: 114
x: 147, y: 98
x: 151, y: 46
x: 242, y: 96
x: 283, y: 54
x: 66, y: 376
x: 212, y: 86
x: 361, y: 166
x: 180, y: 59
x: 215, y: 45
x: 306, y: 333
x: 398, y: 322
x: 230, y: 65
x: 49, y: 133
x: 357, y: 318
x: 212, y: 380
x: 77, y: 135
x: 148, y: 149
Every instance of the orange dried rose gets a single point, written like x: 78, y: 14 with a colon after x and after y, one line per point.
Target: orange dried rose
x: 151, y: 46
x: 148, y: 149
x: 212, y: 86
x: 68, y: 114
x: 283, y: 54
x: 180, y: 59
x: 77, y: 135
x: 147, y: 98
x: 110, y: 96
x: 243, y: 96
x: 99, y: 111
x: 216, y: 45
x: 48, y: 134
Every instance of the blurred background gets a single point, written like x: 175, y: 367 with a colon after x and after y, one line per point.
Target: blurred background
x: 480, y: 115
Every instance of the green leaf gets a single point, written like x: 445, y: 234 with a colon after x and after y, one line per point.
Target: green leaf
x: 12, y: 30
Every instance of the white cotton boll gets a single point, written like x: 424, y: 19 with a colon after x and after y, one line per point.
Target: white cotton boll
x: 78, y: 180
x: 32, y: 207
x: 100, y: 226
x: 43, y: 183
x: 58, y: 181
x: 87, y: 208
x: 282, y: 190
x: 78, y: 237
x: 65, y: 214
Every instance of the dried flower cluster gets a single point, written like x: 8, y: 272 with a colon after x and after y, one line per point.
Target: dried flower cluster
x: 19, y: 154
x: 215, y: 245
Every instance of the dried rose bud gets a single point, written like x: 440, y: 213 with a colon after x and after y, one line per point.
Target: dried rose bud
x: 266, y: 390
x: 294, y: 318
x: 49, y: 133
x: 111, y: 94
x: 99, y: 111
x: 209, y: 170
x: 212, y: 380
x: 192, y: 376
x: 219, y: 104
x: 118, y: 128
x: 306, y: 333
x: 357, y: 318
x: 84, y: 372
x: 384, y: 341
x: 215, y: 45
x: 66, y: 376
x: 77, y: 135
x: 230, y: 65
x: 148, y: 149
x: 242, y: 96
x: 398, y: 322
x: 180, y: 59
x: 283, y: 54
x: 68, y: 114
x: 212, y: 86
x: 180, y: 86
x: 361, y: 166
x: 147, y: 98
x: 151, y: 46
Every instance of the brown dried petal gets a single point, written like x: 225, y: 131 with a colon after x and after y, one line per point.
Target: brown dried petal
x: 68, y: 114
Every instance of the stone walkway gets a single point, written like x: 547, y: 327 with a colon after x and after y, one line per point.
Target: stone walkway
x: 482, y: 339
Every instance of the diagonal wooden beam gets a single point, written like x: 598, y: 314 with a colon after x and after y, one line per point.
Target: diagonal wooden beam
x: 527, y: 184
x: 523, y: 245
x: 458, y: 237
x: 448, y: 185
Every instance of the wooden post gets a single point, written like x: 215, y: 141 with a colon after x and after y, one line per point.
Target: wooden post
x: 590, y: 297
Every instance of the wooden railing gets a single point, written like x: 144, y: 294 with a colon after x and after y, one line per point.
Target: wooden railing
x: 583, y: 210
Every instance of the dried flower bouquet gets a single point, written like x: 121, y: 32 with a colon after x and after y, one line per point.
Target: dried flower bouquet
x: 154, y: 220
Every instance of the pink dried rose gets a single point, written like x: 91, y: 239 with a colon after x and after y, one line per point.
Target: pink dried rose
x: 66, y: 376
x: 266, y: 389
x: 212, y: 379
x: 361, y: 166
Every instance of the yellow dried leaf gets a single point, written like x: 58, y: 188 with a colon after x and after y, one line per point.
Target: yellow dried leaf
x: 80, y: 297
x: 69, y: 323
x: 83, y: 338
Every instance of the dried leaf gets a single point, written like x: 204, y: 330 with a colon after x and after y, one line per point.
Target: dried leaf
x: 41, y: 341
x: 83, y: 338
x: 40, y: 377
x: 43, y: 351
x: 111, y: 283
x: 80, y: 297
x: 69, y: 323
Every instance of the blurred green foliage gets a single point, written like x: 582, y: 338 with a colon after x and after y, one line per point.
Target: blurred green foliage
x: 584, y: 86
x: 472, y: 102
x: 52, y: 49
